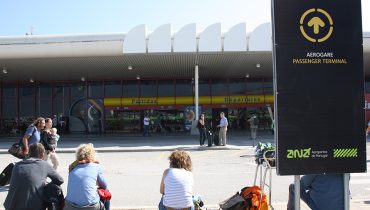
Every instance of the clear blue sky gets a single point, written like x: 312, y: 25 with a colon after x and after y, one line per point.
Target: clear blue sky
x: 104, y: 16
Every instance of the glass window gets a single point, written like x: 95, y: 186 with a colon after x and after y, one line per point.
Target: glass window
x: 27, y: 101
x: 219, y: 87
x: 237, y: 86
x: 204, y: 88
x: 78, y: 91
x: 184, y: 87
x: 9, y: 102
x: 166, y: 88
x: 59, y: 101
x: 254, y: 86
x: 113, y: 89
x: 148, y: 88
x: 96, y: 90
x: 130, y: 88
x: 268, y: 88
x: 367, y: 87
x: 45, y: 102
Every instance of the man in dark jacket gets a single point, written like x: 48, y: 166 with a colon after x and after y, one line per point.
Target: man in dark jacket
x: 28, y: 180
x: 320, y: 192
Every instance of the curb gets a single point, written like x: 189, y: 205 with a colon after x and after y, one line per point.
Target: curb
x: 149, y: 149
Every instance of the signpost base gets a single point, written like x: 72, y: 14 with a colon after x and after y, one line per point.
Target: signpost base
x: 297, y: 192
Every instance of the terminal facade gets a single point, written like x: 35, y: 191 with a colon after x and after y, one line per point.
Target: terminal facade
x: 107, y: 83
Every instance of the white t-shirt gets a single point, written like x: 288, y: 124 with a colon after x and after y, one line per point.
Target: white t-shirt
x: 146, y: 120
x: 178, y: 188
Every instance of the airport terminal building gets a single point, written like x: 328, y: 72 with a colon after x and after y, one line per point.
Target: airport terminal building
x: 107, y: 83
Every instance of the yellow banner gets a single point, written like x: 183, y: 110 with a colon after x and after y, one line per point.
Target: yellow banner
x: 187, y: 100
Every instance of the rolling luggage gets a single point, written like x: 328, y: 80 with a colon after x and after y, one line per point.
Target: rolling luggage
x: 6, y: 174
x: 209, y: 138
x: 216, y: 140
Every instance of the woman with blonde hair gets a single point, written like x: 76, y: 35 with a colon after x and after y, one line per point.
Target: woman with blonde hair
x: 85, y: 176
x: 177, y: 182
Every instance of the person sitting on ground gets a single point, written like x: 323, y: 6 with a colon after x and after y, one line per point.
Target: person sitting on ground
x: 177, y: 182
x: 32, y: 134
x: 84, y: 179
x: 320, y: 192
x: 28, y: 180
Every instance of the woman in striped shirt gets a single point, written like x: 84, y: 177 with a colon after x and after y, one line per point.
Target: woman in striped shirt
x: 177, y: 182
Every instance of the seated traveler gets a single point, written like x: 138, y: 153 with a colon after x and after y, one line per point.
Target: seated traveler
x: 177, y: 182
x: 320, y: 192
x: 84, y: 179
x: 28, y: 179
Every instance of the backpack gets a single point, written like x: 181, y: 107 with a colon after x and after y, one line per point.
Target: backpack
x: 261, y: 149
x: 53, y: 197
x: 255, y: 197
x: 235, y: 202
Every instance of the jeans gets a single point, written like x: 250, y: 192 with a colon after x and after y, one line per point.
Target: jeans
x: 202, y: 136
x: 146, y: 130
x: 305, y: 196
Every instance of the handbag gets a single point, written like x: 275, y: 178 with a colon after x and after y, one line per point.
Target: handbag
x: 104, y: 194
x: 235, y: 202
x: 17, y: 150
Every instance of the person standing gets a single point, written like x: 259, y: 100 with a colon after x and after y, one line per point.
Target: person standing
x: 146, y: 122
x: 223, y: 129
x: 202, y: 130
x: 177, y: 182
x: 253, y: 122
x: 32, y: 134
x: 28, y: 180
x: 49, y: 144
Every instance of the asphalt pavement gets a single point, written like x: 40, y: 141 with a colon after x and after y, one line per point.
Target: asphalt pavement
x: 138, y: 143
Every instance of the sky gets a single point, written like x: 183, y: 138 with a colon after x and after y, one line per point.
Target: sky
x: 46, y: 17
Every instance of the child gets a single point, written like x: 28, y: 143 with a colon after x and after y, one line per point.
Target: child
x: 54, y: 138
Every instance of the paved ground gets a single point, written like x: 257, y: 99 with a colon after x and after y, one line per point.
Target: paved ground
x: 126, y: 159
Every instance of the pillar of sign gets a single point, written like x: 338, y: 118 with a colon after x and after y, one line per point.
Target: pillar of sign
x: 196, y: 90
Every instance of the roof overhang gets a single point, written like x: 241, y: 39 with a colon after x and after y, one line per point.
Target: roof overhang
x: 153, y: 56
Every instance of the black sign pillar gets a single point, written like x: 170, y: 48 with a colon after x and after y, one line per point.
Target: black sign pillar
x: 319, y: 84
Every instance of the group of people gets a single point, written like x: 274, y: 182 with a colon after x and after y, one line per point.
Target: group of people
x: 41, y: 131
x: 222, y: 132
x: 29, y: 176
x: 201, y: 125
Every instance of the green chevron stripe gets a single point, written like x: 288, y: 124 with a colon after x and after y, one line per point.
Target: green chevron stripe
x: 353, y: 153
x: 345, y: 153
x: 341, y: 152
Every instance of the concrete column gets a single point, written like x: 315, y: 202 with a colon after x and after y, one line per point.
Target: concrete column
x: 196, y: 77
x: 194, y: 130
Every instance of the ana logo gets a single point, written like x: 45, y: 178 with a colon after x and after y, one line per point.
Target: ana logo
x: 316, y: 25
x: 298, y: 153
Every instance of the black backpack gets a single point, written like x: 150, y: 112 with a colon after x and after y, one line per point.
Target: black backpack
x: 53, y: 197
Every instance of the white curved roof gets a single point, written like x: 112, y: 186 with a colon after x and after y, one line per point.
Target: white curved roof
x: 161, y: 52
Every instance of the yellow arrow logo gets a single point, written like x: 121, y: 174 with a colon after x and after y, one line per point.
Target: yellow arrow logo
x: 316, y: 22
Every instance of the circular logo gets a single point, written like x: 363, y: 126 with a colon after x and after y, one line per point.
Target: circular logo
x: 316, y: 25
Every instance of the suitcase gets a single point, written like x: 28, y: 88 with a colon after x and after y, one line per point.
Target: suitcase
x: 216, y: 140
x: 6, y: 174
x: 209, y: 138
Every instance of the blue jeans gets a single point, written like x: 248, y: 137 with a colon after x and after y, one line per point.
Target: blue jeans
x: 146, y: 130
x: 305, y: 196
x: 202, y: 136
